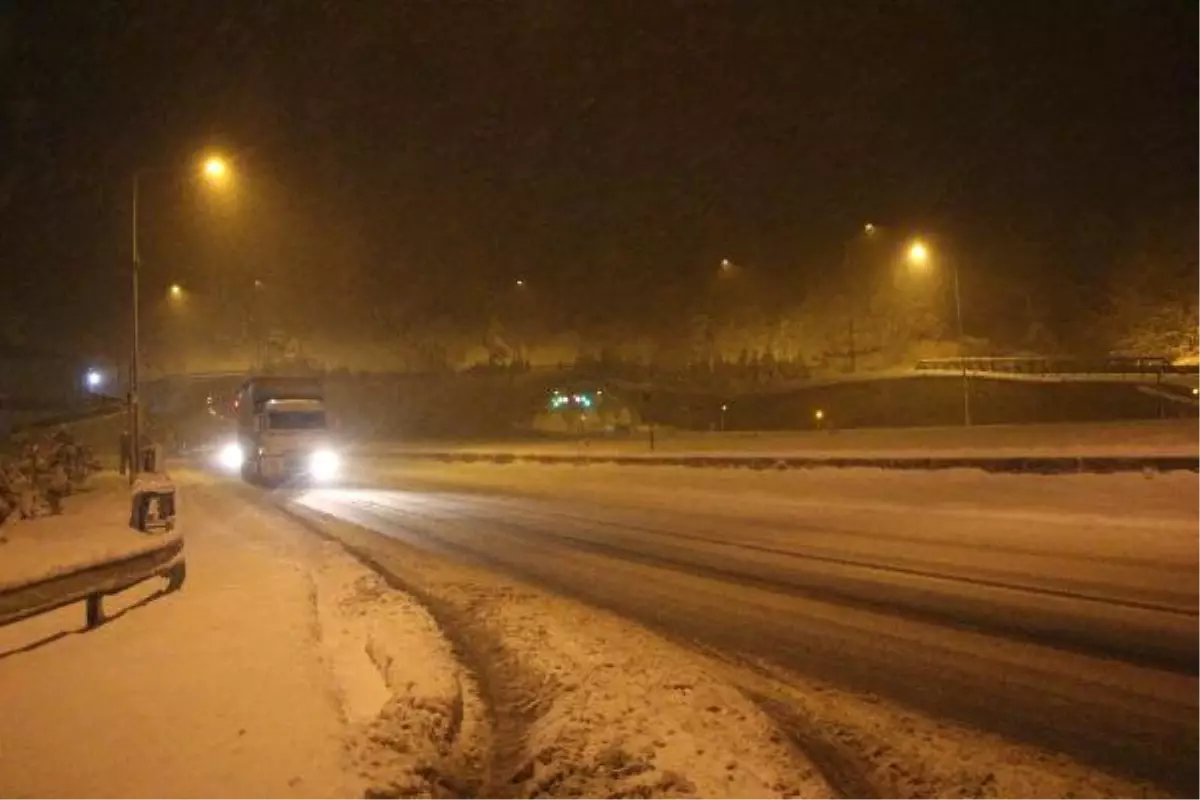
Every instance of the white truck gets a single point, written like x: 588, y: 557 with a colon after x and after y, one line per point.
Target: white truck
x: 284, y: 431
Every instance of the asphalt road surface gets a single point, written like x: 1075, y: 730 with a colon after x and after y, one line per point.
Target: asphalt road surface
x: 1061, y: 612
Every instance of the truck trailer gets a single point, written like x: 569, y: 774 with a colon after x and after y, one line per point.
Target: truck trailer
x: 284, y: 431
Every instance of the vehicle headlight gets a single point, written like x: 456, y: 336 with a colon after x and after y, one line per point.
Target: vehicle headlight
x: 324, y: 464
x: 231, y: 456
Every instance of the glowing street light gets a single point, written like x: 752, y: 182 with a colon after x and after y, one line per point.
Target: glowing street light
x: 866, y: 234
x: 918, y: 254
x: 175, y: 291
x: 215, y: 169
x: 94, y: 379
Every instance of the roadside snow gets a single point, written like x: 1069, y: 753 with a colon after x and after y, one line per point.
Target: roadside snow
x: 627, y: 714
x: 418, y: 726
x: 588, y: 704
x: 93, y: 528
x: 258, y: 679
x: 904, y: 754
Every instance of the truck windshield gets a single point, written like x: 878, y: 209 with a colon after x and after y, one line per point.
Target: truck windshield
x: 296, y: 420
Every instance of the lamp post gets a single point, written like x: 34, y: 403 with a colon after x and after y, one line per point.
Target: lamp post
x: 868, y: 232
x: 134, y: 378
x: 918, y: 257
x: 215, y: 170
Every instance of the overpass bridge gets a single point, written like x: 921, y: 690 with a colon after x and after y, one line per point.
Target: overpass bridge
x: 1152, y: 371
x: 521, y: 393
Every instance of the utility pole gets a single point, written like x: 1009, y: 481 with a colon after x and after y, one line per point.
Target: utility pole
x: 852, y: 351
x: 135, y: 443
x: 868, y: 231
x: 962, y: 351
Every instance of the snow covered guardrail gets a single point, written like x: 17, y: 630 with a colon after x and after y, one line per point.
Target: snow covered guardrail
x: 121, y: 558
x: 1039, y: 465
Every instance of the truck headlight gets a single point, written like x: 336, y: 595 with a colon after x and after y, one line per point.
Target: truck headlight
x: 231, y: 456
x: 324, y: 464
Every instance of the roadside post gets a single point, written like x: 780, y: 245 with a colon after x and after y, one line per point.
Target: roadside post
x: 646, y: 398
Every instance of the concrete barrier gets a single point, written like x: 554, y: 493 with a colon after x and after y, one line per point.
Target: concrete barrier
x: 1036, y: 465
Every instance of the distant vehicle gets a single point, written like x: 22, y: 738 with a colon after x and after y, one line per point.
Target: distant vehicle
x: 284, y: 432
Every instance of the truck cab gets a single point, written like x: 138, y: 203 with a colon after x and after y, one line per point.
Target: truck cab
x: 284, y: 431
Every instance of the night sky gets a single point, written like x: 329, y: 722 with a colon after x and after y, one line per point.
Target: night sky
x: 422, y: 156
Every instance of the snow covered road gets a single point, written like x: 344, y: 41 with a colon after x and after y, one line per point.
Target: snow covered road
x: 1057, y: 612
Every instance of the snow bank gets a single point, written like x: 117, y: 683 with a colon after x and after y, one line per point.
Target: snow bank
x: 623, y: 713
x: 419, y: 728
x: 898, y: 753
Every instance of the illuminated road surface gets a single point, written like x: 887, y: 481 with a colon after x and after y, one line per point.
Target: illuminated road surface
x: 1061, y: 612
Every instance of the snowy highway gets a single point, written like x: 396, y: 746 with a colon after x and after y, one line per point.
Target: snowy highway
x: 1058, y: 612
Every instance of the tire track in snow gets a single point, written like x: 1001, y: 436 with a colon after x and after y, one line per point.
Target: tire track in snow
x: 549, y: 738
x: 846, y: 770
x: 502, y: 688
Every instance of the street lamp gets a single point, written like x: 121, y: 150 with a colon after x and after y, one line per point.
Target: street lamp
x: 867, y: 232
x: 214, y: 169
x: 918, y: 258
x: 918, y: 254
x: 175, y: 291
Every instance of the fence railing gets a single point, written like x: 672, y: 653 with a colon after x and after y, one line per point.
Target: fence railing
x: 1050, y: 365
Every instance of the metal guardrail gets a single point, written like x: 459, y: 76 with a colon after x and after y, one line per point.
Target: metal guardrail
x: 90, y: 584
x: 152, y: 511
x: 1051, y: 365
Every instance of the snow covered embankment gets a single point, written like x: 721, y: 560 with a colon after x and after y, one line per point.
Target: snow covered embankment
x: 580, y: 702
x: 418, y: 726
x: 616, y: 711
